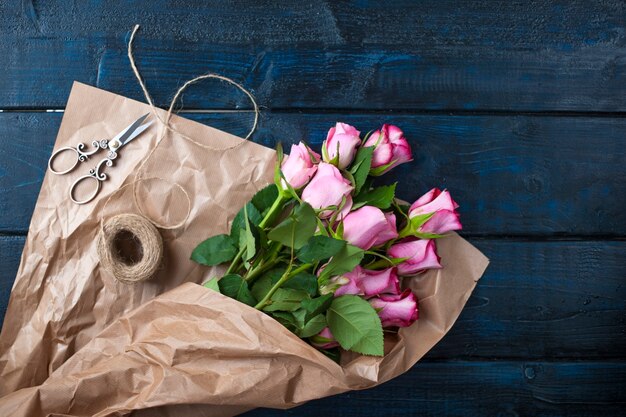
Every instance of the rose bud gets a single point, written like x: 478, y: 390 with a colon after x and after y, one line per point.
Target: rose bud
x: 350, y: 282
x: 369, y: 226
x: 442, y: 222
x: 328, y: 188
x: 324, y: 340
x: 390, y: 149
x: 421, y: 254
x: 366, y: 282
x: 444, y: 217
x: 379, y: 282
x: 433, y: 201
x: 299, y: 166
x: 396, y: 310
x: 343, y: 138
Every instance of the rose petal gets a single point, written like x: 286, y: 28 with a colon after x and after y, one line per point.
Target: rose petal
x: 396, y: 311
x: 327, y: 188
x: 379, y: 282
x: 368, y: 225
x: 421, y: 254
x: 442, y: 222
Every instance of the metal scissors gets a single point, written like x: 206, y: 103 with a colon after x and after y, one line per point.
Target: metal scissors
x: 82, y: 155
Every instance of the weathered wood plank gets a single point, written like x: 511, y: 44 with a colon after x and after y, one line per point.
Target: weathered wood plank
x: 513, y: 175
x: 537, y: 300
x: 10, y: 253
x: 483, y: 389
x: 556, y: 299
x: 522, y: 56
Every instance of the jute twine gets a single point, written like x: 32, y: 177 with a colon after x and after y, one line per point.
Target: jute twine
x: 142, y: 229
x: 143, y: 234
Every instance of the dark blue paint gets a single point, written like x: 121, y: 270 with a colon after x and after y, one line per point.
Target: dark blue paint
x: 520, y: 175
x: 544, y: 330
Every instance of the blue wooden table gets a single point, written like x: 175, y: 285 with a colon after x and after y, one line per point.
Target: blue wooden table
x: 517, y: 107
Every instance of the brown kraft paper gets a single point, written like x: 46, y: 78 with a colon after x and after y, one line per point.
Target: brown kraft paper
x: 77, y: 342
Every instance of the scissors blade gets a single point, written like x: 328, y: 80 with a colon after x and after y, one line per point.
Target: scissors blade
x: 137, y: 132
x: 123, y: 136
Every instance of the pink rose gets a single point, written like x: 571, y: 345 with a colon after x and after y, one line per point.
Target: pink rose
x: 421, y: 254
x: 380, y: 282
x: 391, y: 149
x: 369, y: 226
x: 344, y: 138
x: 396, y: 310
x: 445, y: 217
x: 299, y: 166
x: 349, y: 282
x: 324, y: 340
x: 328, y: 188
x: 367, y: 282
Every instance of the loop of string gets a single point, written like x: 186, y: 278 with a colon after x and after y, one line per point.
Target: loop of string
x: 166, y: 122
x: 167, y: 126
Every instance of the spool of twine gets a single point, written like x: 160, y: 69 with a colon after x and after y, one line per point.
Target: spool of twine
x: 130, y: 247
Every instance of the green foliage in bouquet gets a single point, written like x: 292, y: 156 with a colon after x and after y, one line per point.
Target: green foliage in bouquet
x: 316, y: 252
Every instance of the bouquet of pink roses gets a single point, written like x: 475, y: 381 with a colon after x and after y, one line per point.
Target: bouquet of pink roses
x: 323, y: 250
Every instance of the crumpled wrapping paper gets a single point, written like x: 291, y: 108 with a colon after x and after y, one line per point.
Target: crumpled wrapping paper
x: 76, y: 342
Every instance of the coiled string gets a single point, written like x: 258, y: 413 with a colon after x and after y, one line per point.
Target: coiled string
x: 142, y: 227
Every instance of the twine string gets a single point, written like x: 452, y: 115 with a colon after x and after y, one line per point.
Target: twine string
x: 144, y: 234
x: 167, y: 126
x: 141, y: 226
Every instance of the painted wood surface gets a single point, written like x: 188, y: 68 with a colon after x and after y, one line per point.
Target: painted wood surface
x: 483, y: 389
x: 516, y: 107
x: 558, y: 300
x: 427, y: 55
x: 514, y: 175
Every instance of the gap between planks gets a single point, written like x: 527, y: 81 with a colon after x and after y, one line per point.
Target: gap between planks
x: 311, y: 110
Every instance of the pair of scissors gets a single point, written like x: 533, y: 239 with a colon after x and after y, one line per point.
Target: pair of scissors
x: 113, y: 146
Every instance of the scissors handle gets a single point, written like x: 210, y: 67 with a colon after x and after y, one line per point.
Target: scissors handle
x: 94, y: 175
x: 81, y: 154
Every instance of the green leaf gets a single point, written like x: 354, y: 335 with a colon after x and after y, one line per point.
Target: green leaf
x: 344, y: 261
x: 317, y: 305
x: 215, y: 250
x: 296, y: 229
x: 212, y: 284
x: 286, y: 319
x: 233, y: 286
x: 319, y: 248
x: 263, y: 285
x: 326, y: 156
x: 313, y: 326
x: 361, y: 166
x: 300, y: 317
x: 356, y: 325
x: 264, y: 199
x: 378, y: 171
x: 286, y: 299
x: 304, y: 282
x: 279, y: 161
x: 419, y: 220
x: 380, y: 197
x: 248, y: 237
x: 239, y: 222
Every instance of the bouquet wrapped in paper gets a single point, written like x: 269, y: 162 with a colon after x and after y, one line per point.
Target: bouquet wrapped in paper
x: 314, y: 275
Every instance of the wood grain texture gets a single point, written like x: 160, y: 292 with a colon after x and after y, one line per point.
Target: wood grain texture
x: 430, y: 55
x: 517, y: 107
x: 513, y: 175
x: 552, y: 300
x: 10, y: 253
x: 483, y: 389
